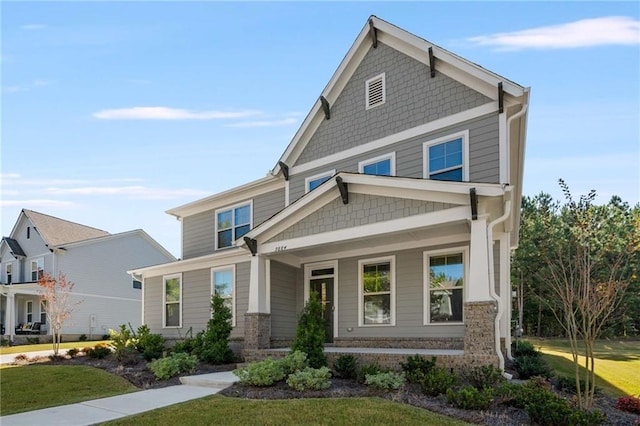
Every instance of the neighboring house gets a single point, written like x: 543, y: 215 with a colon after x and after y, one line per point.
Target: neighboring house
x: 397, y: 201
x: 94, y: 260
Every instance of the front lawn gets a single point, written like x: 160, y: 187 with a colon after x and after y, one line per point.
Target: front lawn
x: 220, y: 410
x: 20, y: 349
x: 33, y: 387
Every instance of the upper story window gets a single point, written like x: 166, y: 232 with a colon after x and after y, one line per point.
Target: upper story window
x: 8, y: 273
x: 223, y: 284
x: 446, y: 158
x: 444, y: 285
x: 232, y: 223
x: 172, y: 301
x: 375, y: 91
x: 384, y: 165
x: 312, y: 182
x: 37, y: 268
x: 377, y: 287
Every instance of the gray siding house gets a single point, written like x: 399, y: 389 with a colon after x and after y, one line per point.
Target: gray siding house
x: 94, y: 260
x: 396, y: 202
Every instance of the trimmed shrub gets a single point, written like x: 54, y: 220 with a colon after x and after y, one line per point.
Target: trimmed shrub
x: 310, y: 379
x: 212, y: 344
x: 310, y: 332
x: 165, y: 368
x: 481, y: 377
x: 150, y: 345
x: 346, y: 366
x: 470, y: 398
x: 187, y: 345
x: 99, y: 351
x: 568, y: 384
x: 528, y: 366
x: 416, y: 367
x: 294, y: 362
x: 523, y: 348
x: 437, y: 381
x: 629, y: 403
x: 385, y: 381
x: 368, y: 369
x: 33, y: 340
x: 263, y: 373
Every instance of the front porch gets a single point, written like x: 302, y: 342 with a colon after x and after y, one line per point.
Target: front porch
x: 21, y: 313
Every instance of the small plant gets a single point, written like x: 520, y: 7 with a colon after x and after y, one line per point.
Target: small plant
x: 310, y: 379
x: 310, y: 332
x: 73, y: 352
x: 82, y: 338
x: 437, y: 381
x: 385, y: 381
x: 367, y: 369
x: 263, y: 373
x: 416, y: 367
x: 346, y: 366
x: 33, y: 340
x: 4, y: 342
x: 470, y: 398
x: 481, y: 377
x: 294, y: 362
x: 629, y: 403
x: 99, y: 351
x: 529, y: 366
x: 150, y: 345
x: 165, y: 368
x: 123, y: 343
x: 568, y: 384
x: 523, y: 348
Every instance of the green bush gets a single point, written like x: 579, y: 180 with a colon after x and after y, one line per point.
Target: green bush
x: 568, y: 384
x: 165, y: 368
x: 212, y: 344
x: 416, y: 367
x: 528, y: 366
x: 187, y: 346
x: 385, y: 381
x: 150, y: 345
x: 82, y: 338
x: 294, y: 362
x: 310, y: 333
x: 367, y: 369
x: 73, y: 352
x: 346, y: 366
x: 310, y: 379
x: 99, y: 351
x: 33, y: 340
x: 470, y: 398
x: 481, y: 377
x: 437, y: 381
x: 263, y: 373
x: 523, y: 348
x: 123, y: 343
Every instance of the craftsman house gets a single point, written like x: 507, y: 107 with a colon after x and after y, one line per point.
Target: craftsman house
x: 94, y: 260
x: 397, y: 202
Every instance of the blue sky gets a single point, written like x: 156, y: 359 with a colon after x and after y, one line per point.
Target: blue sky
x: 114, y: 112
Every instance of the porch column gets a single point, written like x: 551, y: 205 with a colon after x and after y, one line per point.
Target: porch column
x: 478, y: 290
x: 9, y: 315
x: 257, y: 327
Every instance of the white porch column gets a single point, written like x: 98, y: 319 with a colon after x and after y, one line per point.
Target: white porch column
x: 478, y: 290
x: 10, y: 316
x: 258, y: 286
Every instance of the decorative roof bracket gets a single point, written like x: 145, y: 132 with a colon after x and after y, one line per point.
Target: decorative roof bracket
x: 285, y: 169
x: 344, y: 191
x: 373, y: 33
x: 474, y: 203
x: 252, y: 244
x: 325, y: 107
x: 500, y: 98
x: 432, y: 62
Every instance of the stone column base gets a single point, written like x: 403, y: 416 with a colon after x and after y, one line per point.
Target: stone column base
x: 480, y: 329
x: 257, y: 330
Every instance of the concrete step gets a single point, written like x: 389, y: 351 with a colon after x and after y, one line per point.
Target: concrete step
x: 212, y: 380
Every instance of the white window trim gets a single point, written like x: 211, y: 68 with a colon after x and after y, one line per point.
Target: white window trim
x: 27, y: 311
x: 465, y: 152
x: 164, y: 300
x: 426, y: 277
x: 232, y: 207
x: 310, y: 179
x: 390, y: 156
x: 231, y: 268
x: 307, y: 284
x: 366, y: 91
x: 35, y: 259
x: 392, y: 270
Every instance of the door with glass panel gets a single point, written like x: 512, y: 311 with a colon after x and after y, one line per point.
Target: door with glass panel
x: 321, y: 280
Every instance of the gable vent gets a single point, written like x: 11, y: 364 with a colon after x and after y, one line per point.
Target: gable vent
x: 375, y: 91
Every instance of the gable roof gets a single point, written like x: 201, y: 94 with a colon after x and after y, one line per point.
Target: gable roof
x: 56, y: 232
x: 14, y: 247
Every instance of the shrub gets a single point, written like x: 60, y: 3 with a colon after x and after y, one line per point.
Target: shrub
x: 165, y: 368
x: 212, y: 344
x: 82, y: 338
x: 310, y: 333
x: 4, y: 342
x: 310, y: 379
x: 528, y: 366
x: 385, y: 381
x: 345, y: 366
x: 73, y: 352
x: 568, y: 384
x: 470, y: 398
x: 416, y: 367
x: 629, y: 403
x: 187, y: 346
x: 523, y: 348
x: 99, y: 351
x: 437, y: 381
x: 365, y: 370
x: 33, y: 340
x: 294, y: 362
x: 263, y: 373
x: 150, y: 345
x: 123, y: 343
x: 481, y: 377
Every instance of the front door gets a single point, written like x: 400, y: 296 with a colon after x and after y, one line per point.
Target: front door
x: 321, y: 282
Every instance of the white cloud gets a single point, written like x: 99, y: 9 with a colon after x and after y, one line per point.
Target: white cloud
x: 265, y: 123
x: 14, y: 89
x: 165, y: 113
x: 15, y: 179
x: 32, y: 27
x: 137, y: 191
x: 610, y: 30
x: 36, y: 203
x: 9, y: 176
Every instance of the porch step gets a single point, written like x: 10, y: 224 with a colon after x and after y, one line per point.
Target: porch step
x: 212, y: 380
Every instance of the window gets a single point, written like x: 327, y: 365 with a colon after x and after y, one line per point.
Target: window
x: 231, y: 224
x: 43, y: 312
x: 29, y: 311
x: 375, y: 92
x: 223, y: 284
x: 384, y: 165
x: 172, y: 299
x: 37, y: 269
x: 8, y: 273
x: 137, y: 284
x: 445, y: 158
x: 312, y: 182
x: 444, y: 286
x: 377, y: 291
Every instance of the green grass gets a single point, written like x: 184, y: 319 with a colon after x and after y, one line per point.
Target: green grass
x: 20, y: 349
x: 220, y: 410
x: 33, y: 387
x: 617, y: 363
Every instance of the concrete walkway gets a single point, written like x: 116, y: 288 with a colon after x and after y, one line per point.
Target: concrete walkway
x: 115, y: 407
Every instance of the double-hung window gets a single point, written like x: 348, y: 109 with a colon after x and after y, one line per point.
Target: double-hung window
x: 312, y: 182
x: 8, y: 273
x: 37, y: 268
x: 446, y: 158
x: 384, y: 165
x: 377, y: 291
x: 29, y: 311
x: 223, y: 285
x: 43, y: 312
x: 172, y: 300
x: 232, y: 223
x: 445, y: 272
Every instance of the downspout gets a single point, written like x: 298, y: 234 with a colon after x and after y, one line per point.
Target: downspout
x: 492, y: 283
x: 523, y: 111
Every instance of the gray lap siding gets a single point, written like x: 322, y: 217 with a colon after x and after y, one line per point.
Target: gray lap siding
x: 286, y: 289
